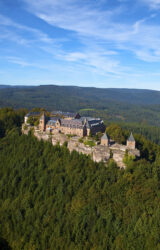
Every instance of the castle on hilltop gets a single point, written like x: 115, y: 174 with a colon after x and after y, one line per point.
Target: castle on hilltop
x: 69, y: 123
x: 56, y: 127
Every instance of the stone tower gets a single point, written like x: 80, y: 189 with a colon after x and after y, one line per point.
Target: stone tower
x: 131, y: 143
x: 105, y: 140
x: 42, y: 122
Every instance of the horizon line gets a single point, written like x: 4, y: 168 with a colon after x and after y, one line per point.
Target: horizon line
x: 75, y: 86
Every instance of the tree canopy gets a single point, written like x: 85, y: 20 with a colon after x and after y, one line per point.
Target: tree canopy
x: 53, y: 199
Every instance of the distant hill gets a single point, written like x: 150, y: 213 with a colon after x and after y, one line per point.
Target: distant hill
x: 111, y: 104
x: 4, y: 86
x: 132, y: 96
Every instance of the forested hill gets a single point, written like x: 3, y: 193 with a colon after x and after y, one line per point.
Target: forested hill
x: 4, y: 86
x: 83, y: 95
x: 129, y: 105
x: 51, y: 199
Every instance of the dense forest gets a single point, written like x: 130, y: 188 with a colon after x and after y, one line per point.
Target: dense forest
x: 51, y: 199
x: 128, y: 105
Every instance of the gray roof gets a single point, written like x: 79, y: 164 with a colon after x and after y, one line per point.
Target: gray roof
x: 131, y: 138
x: 105, y: 136
x: 95, y: 122
x: 91, y: 121
x: 74, y: 123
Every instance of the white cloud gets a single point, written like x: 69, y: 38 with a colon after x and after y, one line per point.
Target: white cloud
x: 20, y: 61
x: 67, y: 14
x: 97, y: 61
x: 147, y: 56
x: 104, y: 36
x: 100, y: 25
x: 25, y: 63
x: 37, y: 35
x: 153, y: 4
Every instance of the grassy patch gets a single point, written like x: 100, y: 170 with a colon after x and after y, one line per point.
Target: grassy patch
x: 89, y: 143
x: 70, y: 136
x: 81, y: 140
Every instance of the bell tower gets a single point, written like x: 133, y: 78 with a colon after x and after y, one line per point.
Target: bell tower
x: 42, y: 122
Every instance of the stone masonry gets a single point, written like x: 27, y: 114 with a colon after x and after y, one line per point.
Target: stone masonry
x: 98, y: 153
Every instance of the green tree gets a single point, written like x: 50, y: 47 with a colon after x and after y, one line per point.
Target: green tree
x: 116, y: 133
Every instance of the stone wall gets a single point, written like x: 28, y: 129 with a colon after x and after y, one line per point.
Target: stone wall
x: 42, y: 135
x: 101, y: 153
x: 72, y: 131
x: 131, y: 144
x: 59, y: 138
x: 104, y: 142
x: 98, y: 153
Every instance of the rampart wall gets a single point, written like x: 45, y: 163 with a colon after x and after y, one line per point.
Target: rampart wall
x: 98, y: 153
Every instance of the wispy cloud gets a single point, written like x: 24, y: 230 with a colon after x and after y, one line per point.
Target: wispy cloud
x: 139, y: 37
x: 100, y: 25
x: 97, y: 61
x: 76, y: 16
x: 93, y: 37
x: 153, y: 4
x: 37, y: 35
x: 24, y: 63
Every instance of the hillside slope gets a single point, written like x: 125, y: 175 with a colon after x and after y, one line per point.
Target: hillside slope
x: 51, y: 199
x: 90, y: 95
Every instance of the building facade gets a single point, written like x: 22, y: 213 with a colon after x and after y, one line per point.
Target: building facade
x: 69, y: 123
x: 72, y: 124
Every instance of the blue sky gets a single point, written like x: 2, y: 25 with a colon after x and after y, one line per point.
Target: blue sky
x: 100, y: 43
